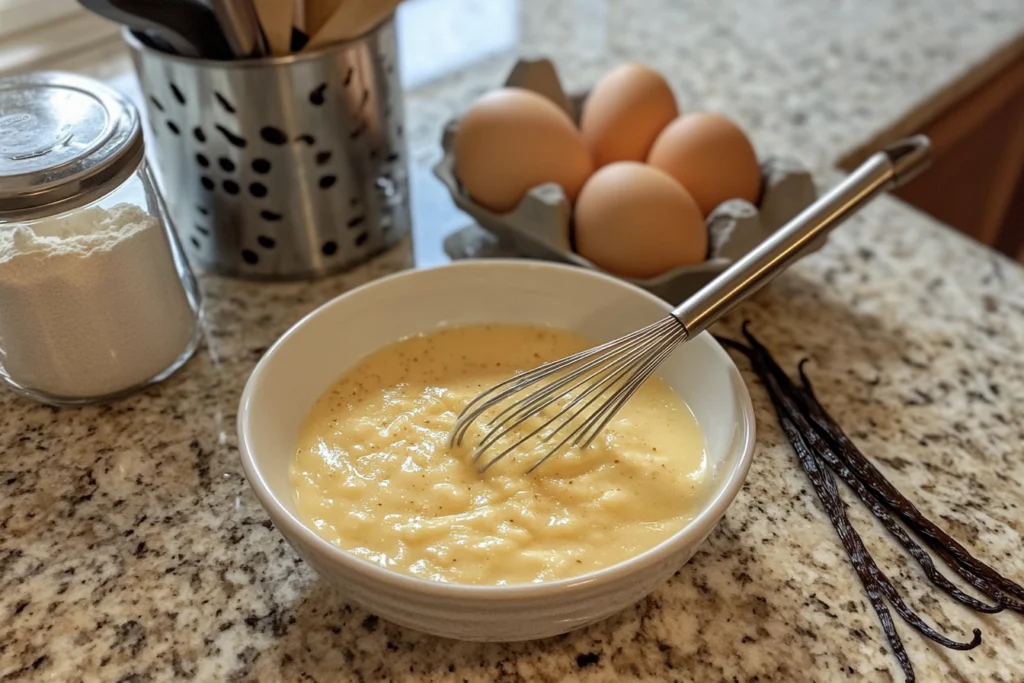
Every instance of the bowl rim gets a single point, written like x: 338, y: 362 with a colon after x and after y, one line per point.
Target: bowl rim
x: 693, y: 532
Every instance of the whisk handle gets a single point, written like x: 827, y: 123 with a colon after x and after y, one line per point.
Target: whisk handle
x: 882, y: 171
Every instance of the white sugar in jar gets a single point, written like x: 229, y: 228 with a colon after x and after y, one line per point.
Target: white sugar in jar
x: 96, y: 298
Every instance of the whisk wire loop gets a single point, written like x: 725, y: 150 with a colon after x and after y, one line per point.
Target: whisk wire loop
x: 612, y: 372
x: 500, y: 392
x: 609, y: 373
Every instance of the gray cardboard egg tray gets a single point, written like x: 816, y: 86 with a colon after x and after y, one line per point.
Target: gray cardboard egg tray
x: 539, y: 227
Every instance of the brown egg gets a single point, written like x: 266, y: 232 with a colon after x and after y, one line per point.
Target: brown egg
x: 511, y: 140
x: 636, y: 221
x: 625, y: 112
x: 711, y: 157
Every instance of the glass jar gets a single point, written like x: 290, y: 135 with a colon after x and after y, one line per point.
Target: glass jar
x: 96, y: 297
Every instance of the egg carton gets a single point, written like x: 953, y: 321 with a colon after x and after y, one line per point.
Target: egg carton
x: 540, y: 226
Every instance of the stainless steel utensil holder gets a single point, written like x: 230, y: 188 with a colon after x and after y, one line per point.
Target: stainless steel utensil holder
x: 285, y: 167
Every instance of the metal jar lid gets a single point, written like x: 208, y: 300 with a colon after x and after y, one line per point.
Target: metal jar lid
x: 65, y: 141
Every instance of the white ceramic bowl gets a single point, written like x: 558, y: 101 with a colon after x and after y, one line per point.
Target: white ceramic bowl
x: 326, y: 343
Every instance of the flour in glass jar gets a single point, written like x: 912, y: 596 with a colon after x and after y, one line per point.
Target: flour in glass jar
x: 91, y: 303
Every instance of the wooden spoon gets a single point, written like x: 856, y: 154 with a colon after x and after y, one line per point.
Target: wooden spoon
x: 276, y: 17
x: 352, y: 19
x: 318, y: 12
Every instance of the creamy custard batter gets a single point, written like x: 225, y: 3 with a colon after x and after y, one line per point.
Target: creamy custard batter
x: 374, y: 475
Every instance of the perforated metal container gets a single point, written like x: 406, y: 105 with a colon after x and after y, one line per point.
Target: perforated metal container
x: 284, y: 167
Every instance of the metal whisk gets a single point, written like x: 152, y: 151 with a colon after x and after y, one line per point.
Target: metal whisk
x: 587, y: 389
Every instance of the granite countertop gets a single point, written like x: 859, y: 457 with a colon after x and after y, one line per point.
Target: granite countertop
x: 133, y: 550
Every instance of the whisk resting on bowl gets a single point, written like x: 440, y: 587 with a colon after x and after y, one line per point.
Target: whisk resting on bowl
x: 585, y: 391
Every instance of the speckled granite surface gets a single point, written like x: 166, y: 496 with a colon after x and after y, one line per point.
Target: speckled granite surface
x: 131, y: 548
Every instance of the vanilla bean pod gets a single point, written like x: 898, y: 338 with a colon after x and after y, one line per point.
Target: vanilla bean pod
x: 924, y: 560
x: 880, y: 511
x: 809, y: 447
x: 855, y: 549
x: 972, y: 570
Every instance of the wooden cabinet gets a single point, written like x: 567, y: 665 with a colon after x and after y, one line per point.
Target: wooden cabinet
x: 976, y: 183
